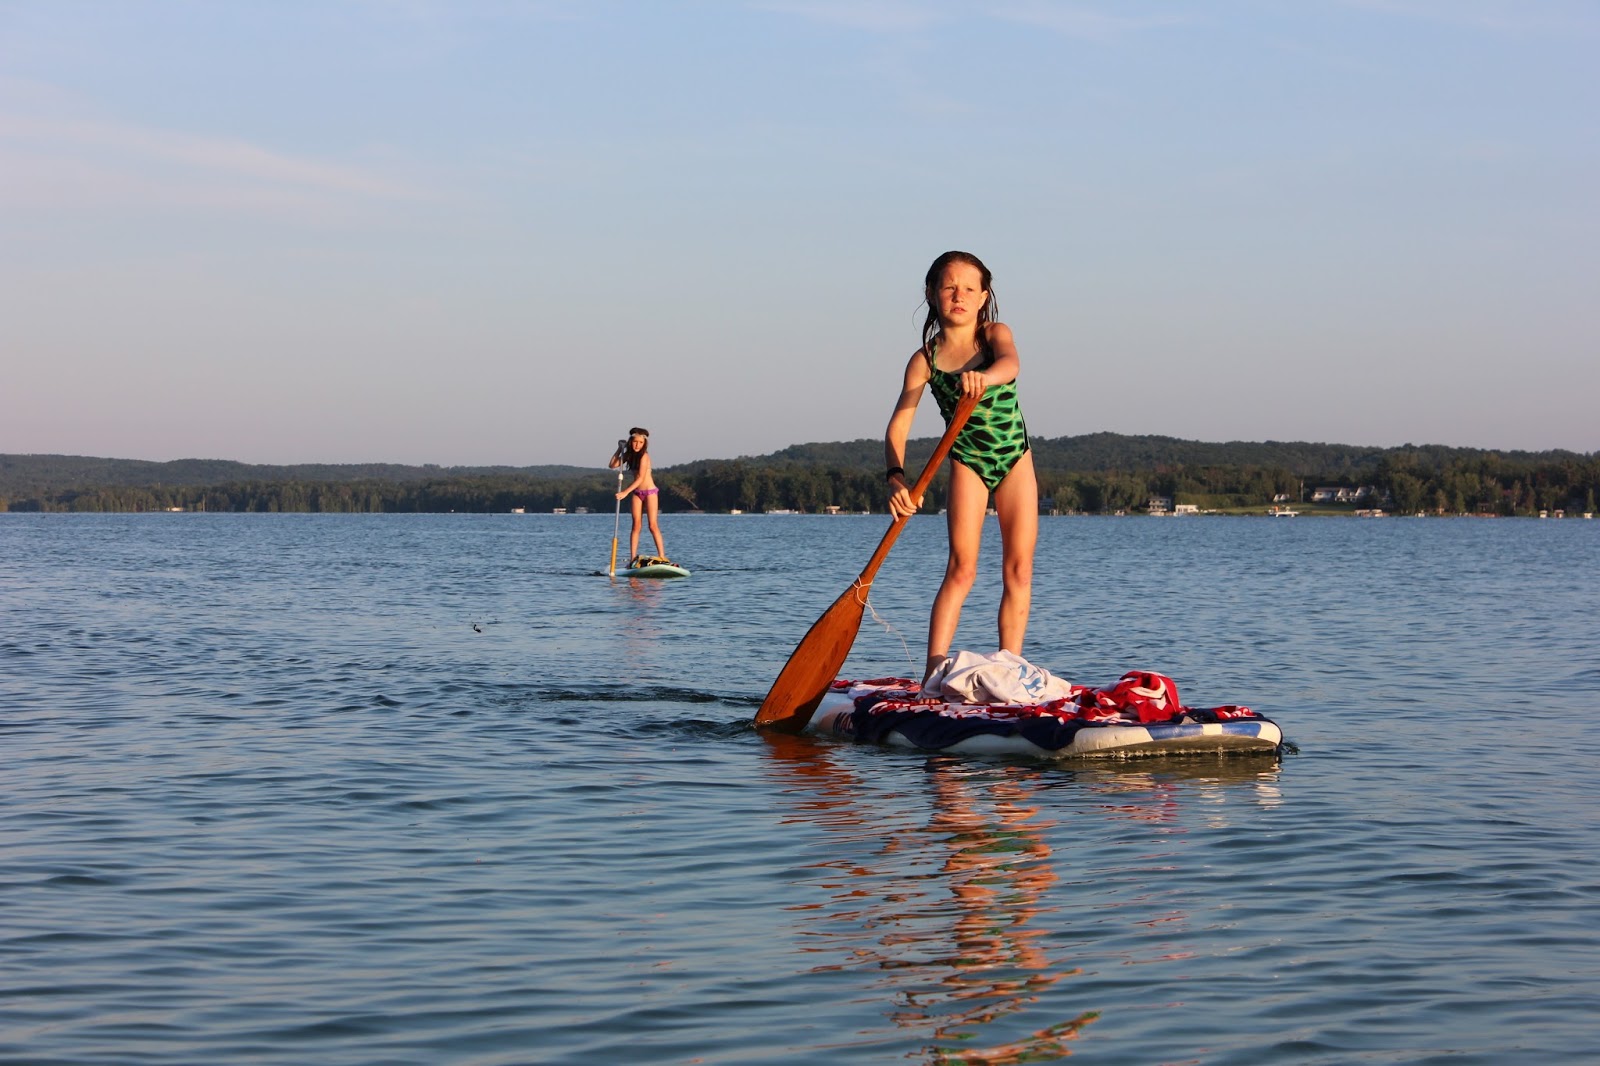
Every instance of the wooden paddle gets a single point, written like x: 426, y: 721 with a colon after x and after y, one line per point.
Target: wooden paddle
x: 816, y: 660
x: 616, y: 527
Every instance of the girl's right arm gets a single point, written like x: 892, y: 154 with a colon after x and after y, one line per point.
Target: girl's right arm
x: 894, y: 438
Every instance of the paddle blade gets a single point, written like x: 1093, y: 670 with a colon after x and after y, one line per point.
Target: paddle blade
x: 613, y: 556
x: 824, y: 648
x: 813, y: 666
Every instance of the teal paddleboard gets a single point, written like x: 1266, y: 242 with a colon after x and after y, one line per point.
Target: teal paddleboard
x: 654, y: 567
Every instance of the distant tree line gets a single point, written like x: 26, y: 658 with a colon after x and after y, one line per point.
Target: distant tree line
x: 1075, y: 475
x: 22, y: 475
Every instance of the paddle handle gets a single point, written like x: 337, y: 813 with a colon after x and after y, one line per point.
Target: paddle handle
x: 958, y: 420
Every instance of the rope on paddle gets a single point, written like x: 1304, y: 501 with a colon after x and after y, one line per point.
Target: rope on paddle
x: 863, y: 596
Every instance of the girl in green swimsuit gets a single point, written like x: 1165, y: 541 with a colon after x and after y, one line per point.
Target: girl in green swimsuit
x: 966, y: 351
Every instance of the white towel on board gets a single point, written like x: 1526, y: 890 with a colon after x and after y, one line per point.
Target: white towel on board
x: 998, y: 677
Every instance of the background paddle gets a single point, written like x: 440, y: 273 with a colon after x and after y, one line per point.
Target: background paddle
x: 816, y: 660
x: 616, y: 527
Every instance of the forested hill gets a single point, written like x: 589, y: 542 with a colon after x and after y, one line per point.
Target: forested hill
x: 1096, y: 472
x: 1090, y: 452
x: 26, y: 474
x: 1101, y: 452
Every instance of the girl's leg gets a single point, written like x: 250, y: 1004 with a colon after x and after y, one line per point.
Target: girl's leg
x: 964, y: 509
x: 1017, y: 503
x: 654, y: 509
x: 633, y: 535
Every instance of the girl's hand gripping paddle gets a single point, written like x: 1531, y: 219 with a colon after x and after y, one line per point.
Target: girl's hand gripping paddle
x: 816, y: 660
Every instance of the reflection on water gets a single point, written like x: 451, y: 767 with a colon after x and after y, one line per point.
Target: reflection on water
x: 644, y: 592
x: 945, y: 910
x: 640, y: 597
x: 954, y: 909
x: 1160, y: 790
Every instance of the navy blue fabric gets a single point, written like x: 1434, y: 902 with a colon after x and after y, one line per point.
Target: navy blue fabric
x: 927, y: 729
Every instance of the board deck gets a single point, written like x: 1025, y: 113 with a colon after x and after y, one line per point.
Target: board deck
x: 655, y: 570
x: 889, y: 713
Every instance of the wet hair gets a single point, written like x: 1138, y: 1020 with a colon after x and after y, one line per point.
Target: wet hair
x: 630, y: 456
x: 930, y: 287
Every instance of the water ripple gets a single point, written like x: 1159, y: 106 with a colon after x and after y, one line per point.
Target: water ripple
x: 422, y: 789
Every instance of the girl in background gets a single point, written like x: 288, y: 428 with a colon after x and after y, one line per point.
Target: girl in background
x: 634, y: 453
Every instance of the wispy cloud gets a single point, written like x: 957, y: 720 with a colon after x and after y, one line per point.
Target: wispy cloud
x: 1496, y: 15
x: 138, y: 145
x: 1086, y: 21
x: 878, y: 16
x: 62, y: 161
x: 438, y: 12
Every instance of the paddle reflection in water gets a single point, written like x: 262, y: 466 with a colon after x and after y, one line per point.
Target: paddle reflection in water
x: 642, y: 590
x: 946, y: 910
x: 641, y: 633
x: 954, y: 890
x: 641, y: 599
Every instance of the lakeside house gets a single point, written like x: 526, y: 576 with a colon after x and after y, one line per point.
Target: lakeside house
x: 1342, y: 494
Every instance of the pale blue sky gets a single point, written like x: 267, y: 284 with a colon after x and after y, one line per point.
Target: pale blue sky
x: 488, y: 231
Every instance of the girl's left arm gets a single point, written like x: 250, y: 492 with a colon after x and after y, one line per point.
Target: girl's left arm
x: 1006, y: 365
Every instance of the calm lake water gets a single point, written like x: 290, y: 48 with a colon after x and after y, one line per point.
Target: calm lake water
x: 424, y: 789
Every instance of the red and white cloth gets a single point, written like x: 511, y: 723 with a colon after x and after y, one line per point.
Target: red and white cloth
x: 974, y: 694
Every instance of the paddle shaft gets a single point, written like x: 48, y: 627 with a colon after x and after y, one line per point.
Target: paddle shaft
x: 816, y: 660
x: 940, y: 450
x: 616, y: 527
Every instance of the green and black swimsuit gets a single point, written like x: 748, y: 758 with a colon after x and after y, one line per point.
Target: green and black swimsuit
x: 995, y: 437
